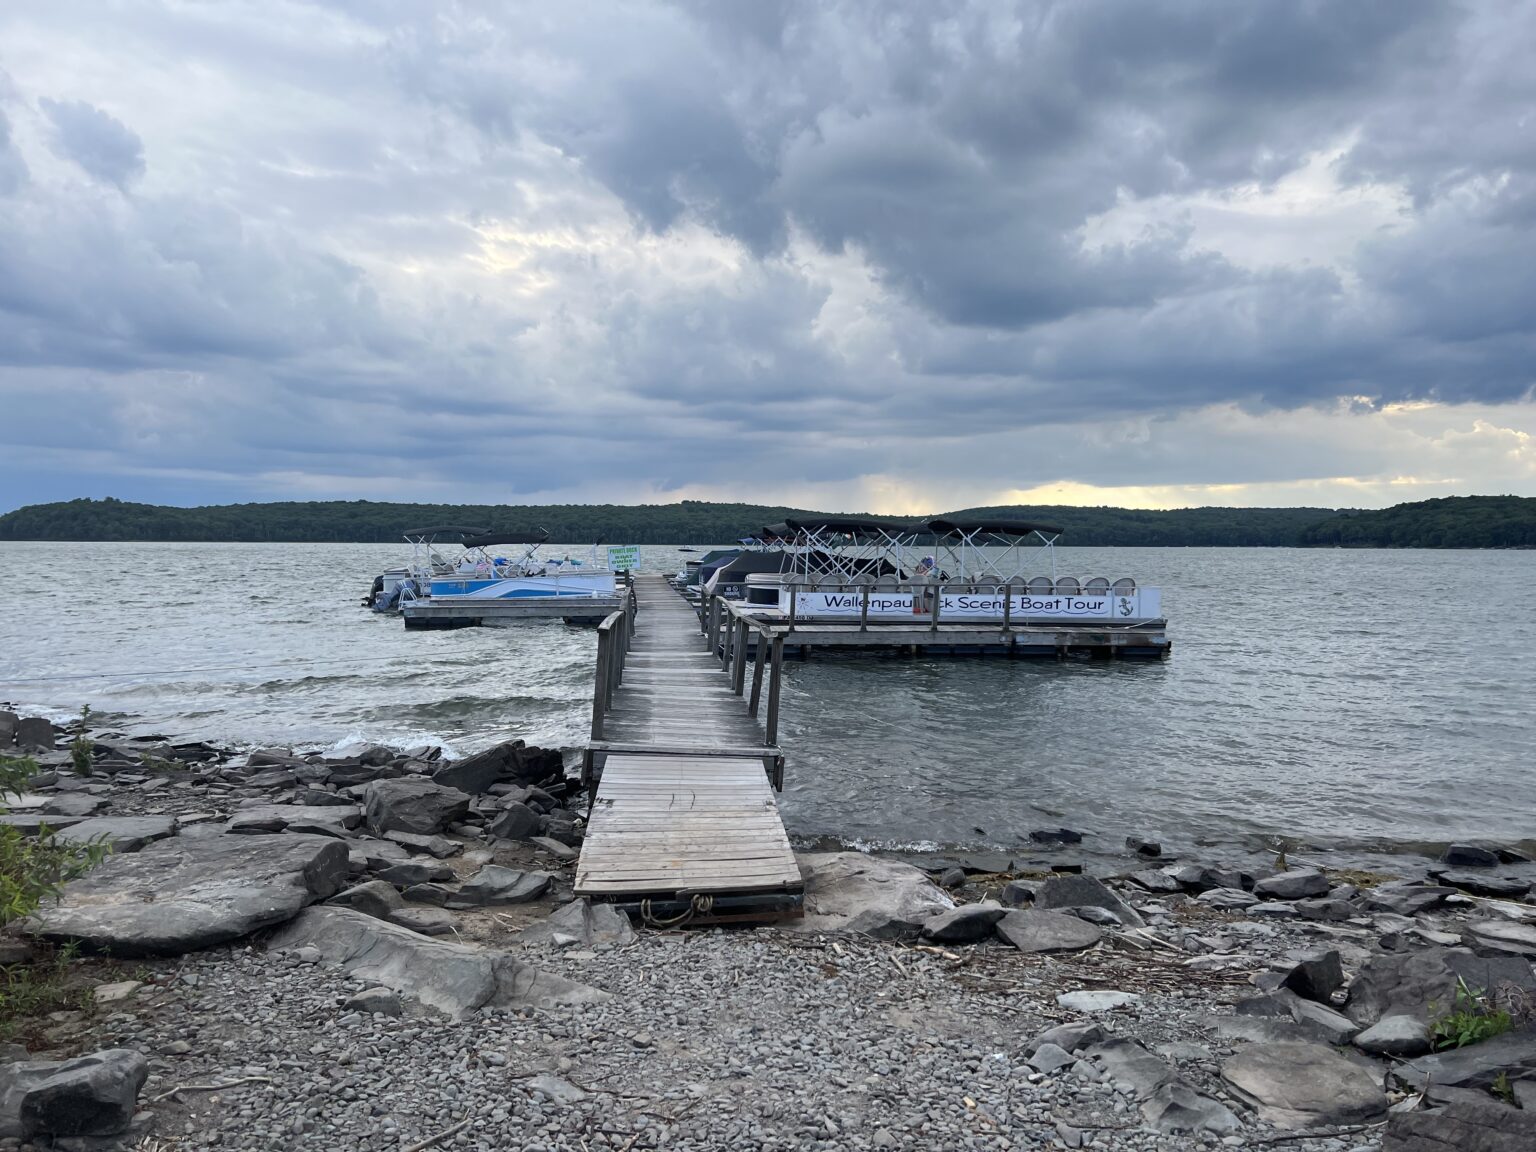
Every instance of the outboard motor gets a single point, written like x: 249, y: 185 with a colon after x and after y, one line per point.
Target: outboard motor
x: 373, y: 593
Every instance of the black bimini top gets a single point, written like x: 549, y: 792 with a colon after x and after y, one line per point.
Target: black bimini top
x: 444, y: 530
x: 491, y: 539
x: 991, y: 528
x: 853, y: 527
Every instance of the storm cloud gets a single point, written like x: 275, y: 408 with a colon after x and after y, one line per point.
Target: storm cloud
x: 860, y: 254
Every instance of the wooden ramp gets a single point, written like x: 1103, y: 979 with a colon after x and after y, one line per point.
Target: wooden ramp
x: 684, y: 821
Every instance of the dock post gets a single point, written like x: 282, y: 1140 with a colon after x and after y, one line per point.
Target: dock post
x: 938, y: 594
x: 739, y: 664
x: 864, y: 611
x: 792, y: 599
x: 1007, y: 607
x: 775, y: 674
x: 758, y: 664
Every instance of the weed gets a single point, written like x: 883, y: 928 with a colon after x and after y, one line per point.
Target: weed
x: 1501, y: 1088
x: 80, y: 755
x: 38, y: 988
x: 1471, y: 1020
x: 34, y: 868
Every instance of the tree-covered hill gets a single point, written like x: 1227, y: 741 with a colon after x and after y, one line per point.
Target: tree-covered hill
x: 1467, y: 522
x: 1451, y: 522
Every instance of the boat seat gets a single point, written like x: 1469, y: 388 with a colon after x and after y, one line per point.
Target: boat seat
x: 1098, y: 586
x: 1040, y: 586
x: 1124, y: 586
x: 1068, y: 586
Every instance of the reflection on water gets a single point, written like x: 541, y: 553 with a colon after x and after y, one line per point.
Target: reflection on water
x: 1319, y: 694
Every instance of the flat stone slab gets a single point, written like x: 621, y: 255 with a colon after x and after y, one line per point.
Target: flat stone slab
x: 1476, y: 1065
x: 494, y: 884
x: 181, y: 894
x: 122, y: 833
x: 1464, y: 1126
x: 1085, y: 892
x: 1502, y: 936
x: 452, y: 978
x: 1031, y: 931
x: 1097, y: 1001
x: 852, y: 892
x: 276, y: 817
x: 1294, y: 1085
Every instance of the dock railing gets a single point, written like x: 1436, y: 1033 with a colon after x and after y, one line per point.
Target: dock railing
x: 728, y: 632
x: 614, y: 636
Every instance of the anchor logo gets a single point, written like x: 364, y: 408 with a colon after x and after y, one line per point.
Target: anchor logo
x: 1125, y: 606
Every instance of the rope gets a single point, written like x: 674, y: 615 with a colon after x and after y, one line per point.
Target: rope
x: 702, y: 904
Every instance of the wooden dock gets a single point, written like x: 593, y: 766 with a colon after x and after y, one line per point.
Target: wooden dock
x: 683, y: 821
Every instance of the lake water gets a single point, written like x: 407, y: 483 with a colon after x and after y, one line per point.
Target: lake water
x: 1379, y: 700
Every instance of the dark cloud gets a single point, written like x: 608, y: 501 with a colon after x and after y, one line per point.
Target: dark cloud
x: 654, y: 245
x: 101, y: 144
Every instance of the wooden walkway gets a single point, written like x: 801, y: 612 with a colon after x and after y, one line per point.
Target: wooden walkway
x: 684, y: 818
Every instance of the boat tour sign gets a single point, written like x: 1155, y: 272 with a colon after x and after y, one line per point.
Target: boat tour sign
x: 1144, y: 604
x: 624, y: 557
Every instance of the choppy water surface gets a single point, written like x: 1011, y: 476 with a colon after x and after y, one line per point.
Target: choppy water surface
x: 1329, y: 695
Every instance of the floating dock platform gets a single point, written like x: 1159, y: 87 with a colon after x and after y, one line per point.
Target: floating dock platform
x: 466, y: 613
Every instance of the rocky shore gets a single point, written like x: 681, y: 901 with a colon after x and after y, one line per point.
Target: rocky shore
x: 380, y: 951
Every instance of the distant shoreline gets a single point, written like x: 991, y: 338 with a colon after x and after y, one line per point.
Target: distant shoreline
x: 1476, y: 522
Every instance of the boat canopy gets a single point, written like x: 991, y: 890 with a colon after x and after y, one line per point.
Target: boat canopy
x: 991, y: 528
x: 443, y: 530
x: 851, y: 527
x: 491, y: 539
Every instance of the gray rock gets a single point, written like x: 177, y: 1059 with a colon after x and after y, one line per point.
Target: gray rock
x: 1405, y: 897
x: 1317, y: 977
x: 1469, y: 856
x: 122, y: 833
x: 1019, y: 893
x: 562, y: 852
x: 1320, y: 1022
x: 434, y: 894
x: 1476, y: 1065
x: 1148, y: 849
x: 92, y: 1095
x: 404, y: 805
x: 439, y: 847
x: 1097, y: 1000
x: 1297, y: 884
x: 8, y: 722
x: 1423, y: 983
x: 952, y: 878
x: 381, y: 1000
x: 581, y: 923
x: 1085, y: 892
x: 1176, y: 1107
x: 427, y: 921
x: 472, y: 775
x: 278, y: 817
x: 205, y: 891
x: 965, y: 924
x: 375, y: 898
x: 851, y: 892
x: 515, y: 822
x: 1326, y: 909
x: 33, y: 732
x: 409, y: 873
x: 1499, y: 887
x: 1031, y: 931
x: 1501, y: 936
x: 1127, y: 1062
x: 452, y: 978
x: 1156, y: 880
x: 31, y: 823
x: 1395, y: 1036
x: 1101, y: 916
x: 1073, y: 1037
x: 1304, y: 1086
x: 494, y: 884
x: 1226, y: 899
x: 1465, y: 1126
x: 556, y: 1090
x: 77, y: 804
x: 1049, y: 1058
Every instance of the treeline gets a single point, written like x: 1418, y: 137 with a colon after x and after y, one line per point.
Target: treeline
x: 1464, y: 522
x: 1451, y: 522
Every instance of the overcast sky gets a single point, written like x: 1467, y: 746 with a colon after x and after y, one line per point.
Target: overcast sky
x: 871, y: 255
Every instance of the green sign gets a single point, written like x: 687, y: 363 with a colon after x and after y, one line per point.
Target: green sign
x: 624, y: 557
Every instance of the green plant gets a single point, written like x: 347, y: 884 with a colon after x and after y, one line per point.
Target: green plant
x: 39, y: 987
x: 80, y: 755
x: 1502, y: 1088
x: 34, y: 868
x: 1471, y: 1020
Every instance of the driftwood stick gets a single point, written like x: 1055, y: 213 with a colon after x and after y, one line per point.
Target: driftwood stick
x: 440, y: 1137
x: 209, y: 1087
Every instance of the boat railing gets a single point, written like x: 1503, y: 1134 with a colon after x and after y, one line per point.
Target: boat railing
x: 717, y: 612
